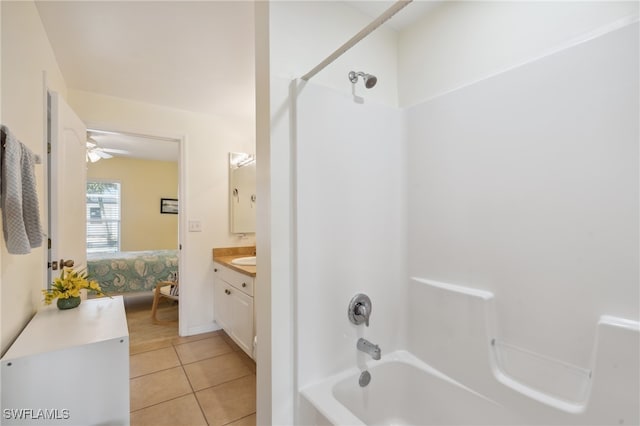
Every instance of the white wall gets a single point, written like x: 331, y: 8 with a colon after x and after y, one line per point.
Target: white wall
x: 304, y: 33
x: 26, y: 53
x: 461, y: 42
x: 207, y: 143
x: 526, y: 184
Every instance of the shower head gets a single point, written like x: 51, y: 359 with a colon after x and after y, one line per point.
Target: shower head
x: 369, y: 80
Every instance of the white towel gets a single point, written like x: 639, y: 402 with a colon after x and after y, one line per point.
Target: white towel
x: 18, y: 198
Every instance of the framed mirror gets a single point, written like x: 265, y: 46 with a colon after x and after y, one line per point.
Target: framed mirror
x: 242, y: 193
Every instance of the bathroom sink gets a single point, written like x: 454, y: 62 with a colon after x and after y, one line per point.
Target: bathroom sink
x: 244, y: 261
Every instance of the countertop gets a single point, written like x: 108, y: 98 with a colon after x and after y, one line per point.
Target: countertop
x: 225, y: 255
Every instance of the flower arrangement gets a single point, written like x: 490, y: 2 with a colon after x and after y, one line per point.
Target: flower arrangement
x: 69, y: 284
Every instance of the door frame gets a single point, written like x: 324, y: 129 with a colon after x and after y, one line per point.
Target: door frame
x: 46, y: 139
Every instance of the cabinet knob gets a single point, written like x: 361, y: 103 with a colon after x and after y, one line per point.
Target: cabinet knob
x: 215, y: 269
x: 244, y: 284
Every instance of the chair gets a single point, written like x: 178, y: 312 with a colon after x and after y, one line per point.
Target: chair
x: 168, y: 290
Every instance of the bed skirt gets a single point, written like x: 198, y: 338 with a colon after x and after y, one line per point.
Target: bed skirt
x: 132, y: 271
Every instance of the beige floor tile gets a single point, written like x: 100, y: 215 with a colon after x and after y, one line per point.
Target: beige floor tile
x: 229, y: 401
x: 202, y: 349
x: 152, y: 361
x: 158, y: 387
x: 214, y: 371
x: 180, y: 340
x: 180, y: 411
x: 136, y: 348
x: 247, y: 360
x: 245, y: 421
x: 230, y: 342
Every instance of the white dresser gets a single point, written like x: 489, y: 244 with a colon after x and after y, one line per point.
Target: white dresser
x: 69, y: 367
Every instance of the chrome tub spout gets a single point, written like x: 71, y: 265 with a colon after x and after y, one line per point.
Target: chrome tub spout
x: 369, y: 348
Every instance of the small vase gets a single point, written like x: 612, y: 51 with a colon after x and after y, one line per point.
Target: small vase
x: 69, y: 303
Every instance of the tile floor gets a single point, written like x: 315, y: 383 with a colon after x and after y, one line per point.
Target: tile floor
x: 197, y: 380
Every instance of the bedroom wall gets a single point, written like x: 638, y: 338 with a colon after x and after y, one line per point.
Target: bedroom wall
x: 144, y: 183
x: 26, y: 53
x: 207, y: 142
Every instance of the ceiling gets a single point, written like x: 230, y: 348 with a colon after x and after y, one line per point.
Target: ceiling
x: 135, y: 146
x: 404, y: 18
x: 192, y: 55
x: 195, y: 56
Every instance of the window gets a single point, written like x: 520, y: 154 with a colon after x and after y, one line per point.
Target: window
x: 103, y: 217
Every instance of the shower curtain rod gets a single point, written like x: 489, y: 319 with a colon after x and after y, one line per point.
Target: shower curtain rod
x: 386, y: 15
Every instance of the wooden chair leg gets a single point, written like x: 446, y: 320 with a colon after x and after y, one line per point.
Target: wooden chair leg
x: 154, y: 308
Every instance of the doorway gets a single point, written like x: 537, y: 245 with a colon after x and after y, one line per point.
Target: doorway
x: 133, y: 211
x: 98, y: 227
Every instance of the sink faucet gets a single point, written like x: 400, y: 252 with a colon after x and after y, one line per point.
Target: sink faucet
x: 369, y: 348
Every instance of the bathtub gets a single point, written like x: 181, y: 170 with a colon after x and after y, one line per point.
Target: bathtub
x: 403, y: 391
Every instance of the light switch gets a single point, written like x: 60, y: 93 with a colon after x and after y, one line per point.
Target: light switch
x: 195, y: 226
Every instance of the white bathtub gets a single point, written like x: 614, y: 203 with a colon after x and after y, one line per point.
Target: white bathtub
x: 403, y: 391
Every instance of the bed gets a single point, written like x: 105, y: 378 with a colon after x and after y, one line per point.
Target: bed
x: 132, y: 271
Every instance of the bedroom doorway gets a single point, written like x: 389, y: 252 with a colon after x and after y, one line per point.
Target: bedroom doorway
x: 133, y: 214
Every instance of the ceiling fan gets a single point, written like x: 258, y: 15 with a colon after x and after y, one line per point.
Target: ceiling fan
x: 96, y: 153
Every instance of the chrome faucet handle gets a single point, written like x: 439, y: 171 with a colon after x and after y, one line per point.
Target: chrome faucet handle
x: 359, y: 309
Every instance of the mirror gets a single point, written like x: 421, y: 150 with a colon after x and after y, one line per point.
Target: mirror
x: 242, y: 192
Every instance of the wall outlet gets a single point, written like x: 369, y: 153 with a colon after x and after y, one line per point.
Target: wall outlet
x: 195, y: 226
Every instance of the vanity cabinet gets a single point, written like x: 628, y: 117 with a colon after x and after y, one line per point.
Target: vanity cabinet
x: 233, y: 305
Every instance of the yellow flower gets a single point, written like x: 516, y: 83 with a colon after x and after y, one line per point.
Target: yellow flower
x: 69, y: 284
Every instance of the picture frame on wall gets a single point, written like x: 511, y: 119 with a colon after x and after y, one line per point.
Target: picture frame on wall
x: 168, y: 205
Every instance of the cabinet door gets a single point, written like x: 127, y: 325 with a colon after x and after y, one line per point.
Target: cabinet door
x: 222, y: 304
x: 242, y: 314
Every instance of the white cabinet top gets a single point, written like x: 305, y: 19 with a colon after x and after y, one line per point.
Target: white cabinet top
x: 95, y: 320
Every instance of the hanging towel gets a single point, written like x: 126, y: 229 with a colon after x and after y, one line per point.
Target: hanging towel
x: 18, y: 196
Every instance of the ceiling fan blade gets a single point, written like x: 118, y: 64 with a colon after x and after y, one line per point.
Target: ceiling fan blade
x: 92, y: 156
x: 115, y: 151
x: 102, y: 154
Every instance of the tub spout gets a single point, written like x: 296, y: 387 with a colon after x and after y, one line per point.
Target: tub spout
x: 369, y: 348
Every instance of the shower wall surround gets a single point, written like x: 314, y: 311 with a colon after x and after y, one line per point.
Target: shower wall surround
x: 351, y: 220
x: 524, y: 184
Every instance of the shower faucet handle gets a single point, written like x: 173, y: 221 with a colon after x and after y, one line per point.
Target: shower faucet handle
x: 359, y: 309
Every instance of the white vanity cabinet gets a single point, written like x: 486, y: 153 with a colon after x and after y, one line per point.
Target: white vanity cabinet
x: 233, y: 305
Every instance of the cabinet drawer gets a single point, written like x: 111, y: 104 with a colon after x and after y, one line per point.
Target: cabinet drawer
x: 242, y: 282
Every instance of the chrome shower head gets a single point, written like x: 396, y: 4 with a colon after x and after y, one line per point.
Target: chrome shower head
x: 369, y: 80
